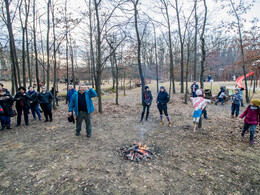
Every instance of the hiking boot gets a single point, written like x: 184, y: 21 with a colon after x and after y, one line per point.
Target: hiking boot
x: 162, y: 122
x: 77, y: 134
x: 252, y: 142
x: 17, y: 125
x: 46, y: 120
x: 169, y: 124
x: 8, y: 127
x: 89, y: 136
x: 232, y: 116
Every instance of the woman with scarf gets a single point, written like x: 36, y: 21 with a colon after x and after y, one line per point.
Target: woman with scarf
x: 22, y: 105
x: 147, y: 99
x: 34, y: 103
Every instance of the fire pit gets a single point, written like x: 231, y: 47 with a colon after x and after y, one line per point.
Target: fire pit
x: 136, y: 152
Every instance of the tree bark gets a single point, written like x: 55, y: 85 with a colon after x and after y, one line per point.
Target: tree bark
x: 47, y: 44
x: 203, y: 50
x: 195, y: 42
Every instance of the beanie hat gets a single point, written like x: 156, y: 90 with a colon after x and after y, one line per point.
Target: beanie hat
x: 162, y: 87
x: 146, y: 87
x: 199, y: 92
x: 256, y: 102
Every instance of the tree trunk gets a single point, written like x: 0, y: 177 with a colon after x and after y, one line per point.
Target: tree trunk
x: 55, y: 61
x: 203, y: 50
x: 195, y: 42
x: 139, y: 42
x: 47, y: 44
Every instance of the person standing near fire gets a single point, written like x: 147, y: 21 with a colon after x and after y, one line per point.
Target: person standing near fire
x: 81, y: 103
x: 162, y: 101
x: 147, y: 99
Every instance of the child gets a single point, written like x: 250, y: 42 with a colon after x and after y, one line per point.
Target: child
x: 235, y: 100
x: 221, y: 98
x: 252, y: 114
x: 199, y: 104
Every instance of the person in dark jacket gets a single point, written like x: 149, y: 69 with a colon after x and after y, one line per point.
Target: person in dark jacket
x: 34, y: 103
x: 2, y: 88
x: 235, y: 100
x: 45, y: 100
x: 147, y: 99
x: 6, y: 102
x: 70, y: 92
x: 194, y: 87
x: 22, y: 105
x: 56, y: 94
x: 81, y: 103
x: 162, y: 100
x: 252, y: 119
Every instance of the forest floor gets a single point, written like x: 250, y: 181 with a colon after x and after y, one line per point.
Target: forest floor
x: 47, y: 158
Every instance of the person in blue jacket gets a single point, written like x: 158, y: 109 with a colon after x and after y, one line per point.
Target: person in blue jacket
x: 162, y: 100
x: 81, y: 103
x: 70, y: 92
x: 194, y: 87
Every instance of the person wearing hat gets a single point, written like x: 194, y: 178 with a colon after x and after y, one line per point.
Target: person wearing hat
x: 2, y: 88
x: 6, y: 102
x: 45, y: 100
x: 252, y: 116
x: 194, y: 87
x: 162, y: 100
x: 70, y: 92
x: 22, y: 105
x: 34, y: 103
x: 241, y: 93
x: 147, y: 99
x: 199, y: 104
x: 81, y: 103
x: 235, y: 100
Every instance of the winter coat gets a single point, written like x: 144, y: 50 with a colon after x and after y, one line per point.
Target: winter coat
x: 222, y: 95
x: 221, y: 91
x: 196, y: 87
x: 252, y: 115
x: 162, y: 99
x: 91, y: 93
x: 70, y: 93
x: 45, y: 98
x: 237, y: 99
x: 22, y: 99
x: 147, y: 98
x: 7, y: 105
x: 34, y: 98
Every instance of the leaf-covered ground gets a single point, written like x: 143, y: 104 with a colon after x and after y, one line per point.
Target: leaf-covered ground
x: 47, y: 158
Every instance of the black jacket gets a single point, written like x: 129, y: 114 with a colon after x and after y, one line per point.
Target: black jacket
x: 19, y: 97
x: 150, y: 97
x: 34, y: 98
x: 162, y: 99
x: 45, y: 98
x: 7, y: 105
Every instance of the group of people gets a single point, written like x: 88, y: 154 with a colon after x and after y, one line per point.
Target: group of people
x: 251, y: 114
x: 80, y: 102
x: 25, y: 101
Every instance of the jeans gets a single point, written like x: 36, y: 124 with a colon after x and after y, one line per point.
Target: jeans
x: 147, y: 112
x: 19, y: 115
x: 35, y: 109
x: 235, y: 108
x: 220, y: 99
x: 194, y: 94
x: 5, y: 121
x: 252, y: 130
x: 83, y: 115
x: 47, y: 111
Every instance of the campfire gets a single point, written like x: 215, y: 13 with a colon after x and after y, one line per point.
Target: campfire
x: 136, y: 152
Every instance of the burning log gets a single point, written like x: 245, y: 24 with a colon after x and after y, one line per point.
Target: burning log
x: 136, y: 152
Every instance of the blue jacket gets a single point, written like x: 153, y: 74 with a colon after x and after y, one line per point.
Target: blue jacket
x: 196, y: 87
x: 237, y: 99
x: 70, y: 93
x: 74, y: 101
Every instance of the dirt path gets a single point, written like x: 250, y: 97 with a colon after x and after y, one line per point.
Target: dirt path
x: 47, y: 158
